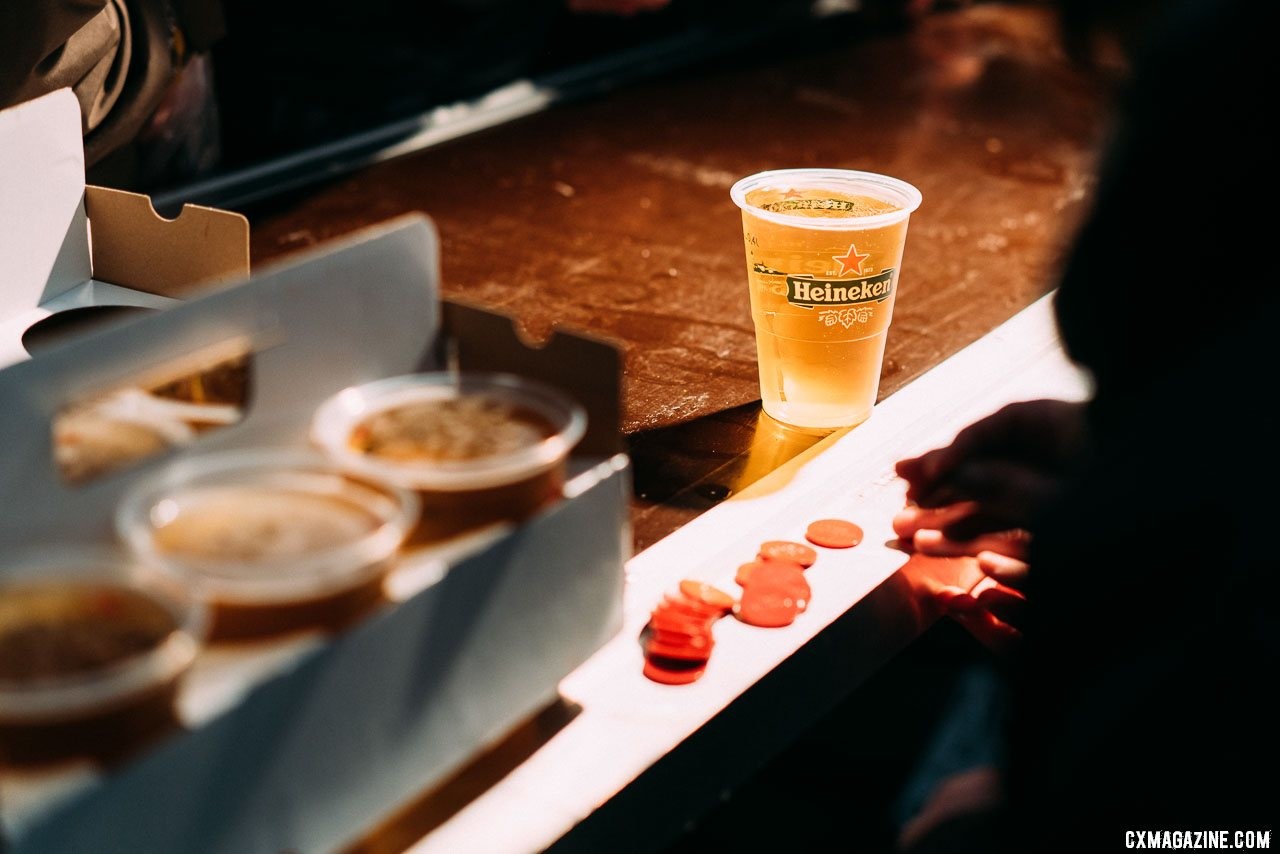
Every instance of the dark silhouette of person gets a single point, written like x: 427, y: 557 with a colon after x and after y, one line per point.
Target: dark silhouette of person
x: 1145, y: 596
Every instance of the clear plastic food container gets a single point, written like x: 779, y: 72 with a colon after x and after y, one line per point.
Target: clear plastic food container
x: 92, y: 649
x: 274, y: 541
x: 477, y: 448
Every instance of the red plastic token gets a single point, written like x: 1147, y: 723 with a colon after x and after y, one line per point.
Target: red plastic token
x: 783, y: 550
x: 681, y: 652
x: 766, y: 608
x: 699, y: 646
x: 743, y: 576
x: 679, y: 600
x: 667, y: 620
x: 747, y: 570
x: 712, y: 597
x: 659, y: 671
x: 683, y: 605
x: 675, y: 633
x: 834, y: 534
x: 785, y: 578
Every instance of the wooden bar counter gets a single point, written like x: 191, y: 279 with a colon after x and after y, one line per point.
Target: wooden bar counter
x: 613, y: 216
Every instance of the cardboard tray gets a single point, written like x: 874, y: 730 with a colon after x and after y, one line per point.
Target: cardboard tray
x: 50, y: 262
x: 305, y: 743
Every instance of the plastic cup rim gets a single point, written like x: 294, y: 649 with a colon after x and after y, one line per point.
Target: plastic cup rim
x: 905, y: 195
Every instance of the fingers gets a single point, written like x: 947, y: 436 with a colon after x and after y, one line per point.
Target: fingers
x: 1010, y: 495
x: 989, y: 611
x: 921, y: 473
x: 1007, y: 570
x: 909, y: 520
x: 1006, y: 605
x: 972, y: 614
x: 929, y: 476
x: 926, y: 472
x: 1037, y: 434
x: 1011, y: 544
x: 983, y: 523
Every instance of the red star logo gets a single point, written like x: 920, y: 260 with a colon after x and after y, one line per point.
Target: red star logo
x: 851, y: 261
x: 792, y: 194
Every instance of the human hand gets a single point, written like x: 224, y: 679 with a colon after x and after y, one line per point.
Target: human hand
x: 1000, y: 471
x: 990, y: 610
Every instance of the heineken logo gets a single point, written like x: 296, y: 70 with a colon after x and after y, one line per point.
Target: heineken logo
x: 807, y: 292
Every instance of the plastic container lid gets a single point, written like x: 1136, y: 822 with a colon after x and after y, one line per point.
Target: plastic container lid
x: 339, y: 416
x: 287, y: 569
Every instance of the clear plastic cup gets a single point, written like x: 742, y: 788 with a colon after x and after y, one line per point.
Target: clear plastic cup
x: 92, y: 651
x: 274, y: 541
x: 412, y: 431
x: 824, y: 248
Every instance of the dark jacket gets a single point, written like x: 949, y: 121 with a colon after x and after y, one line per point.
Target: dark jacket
x: 1152, y: 641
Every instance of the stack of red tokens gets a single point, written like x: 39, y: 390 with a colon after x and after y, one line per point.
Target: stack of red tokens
x: 774, y: 590
x: 678, y: 639
x: 679, y: 642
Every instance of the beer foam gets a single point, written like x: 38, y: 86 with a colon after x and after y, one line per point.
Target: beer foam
x: 818, y: 202
x: 467, y: 427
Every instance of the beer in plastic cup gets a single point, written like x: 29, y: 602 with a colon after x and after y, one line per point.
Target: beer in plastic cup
x: 824, y: 248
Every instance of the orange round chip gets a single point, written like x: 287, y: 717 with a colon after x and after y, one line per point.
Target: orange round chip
x: 747, y: 570
x: 700, y: 641
x: 679, y: 600
x: 766, y: 608
x: 834, y: 534
x: 681, y: 604
x: 712, y: 597
x: 660, y: 671
x: 784, y: 550
x: 786, y: 578
x: 668, y: 620
x: 679, y: 651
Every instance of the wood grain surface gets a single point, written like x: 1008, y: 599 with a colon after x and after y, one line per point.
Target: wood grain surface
x: 613, y: 215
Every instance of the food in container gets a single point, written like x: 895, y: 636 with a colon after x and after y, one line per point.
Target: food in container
x: 92, y: 650
x: 274, y: 541
x: 477, y: 448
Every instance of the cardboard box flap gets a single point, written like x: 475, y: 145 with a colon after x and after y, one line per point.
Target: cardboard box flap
x: 44, y: 240
x: 135, y: 246
x: 47, y: 217
x: 587, y: 368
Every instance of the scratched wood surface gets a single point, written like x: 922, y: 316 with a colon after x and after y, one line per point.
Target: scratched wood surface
x: 613, y: 215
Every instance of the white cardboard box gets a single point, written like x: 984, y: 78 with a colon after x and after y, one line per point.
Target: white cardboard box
x: 305, y: 744
x: 48, y: 263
